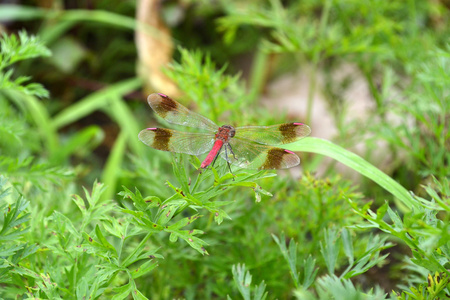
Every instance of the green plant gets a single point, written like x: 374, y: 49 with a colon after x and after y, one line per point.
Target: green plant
x: 17, y: 48
x: 18, y: 141
x: 243, y: 279
x: 421, y: 230
x: 14, y: 251
x: 151, y: 241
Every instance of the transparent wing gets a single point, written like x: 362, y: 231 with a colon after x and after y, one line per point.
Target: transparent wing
x: 174, y: 112
x: 275, y: 134
x: 192, y: 143
x: 250, y: 155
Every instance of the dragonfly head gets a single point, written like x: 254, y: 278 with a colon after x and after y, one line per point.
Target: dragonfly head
x: 229, y: 129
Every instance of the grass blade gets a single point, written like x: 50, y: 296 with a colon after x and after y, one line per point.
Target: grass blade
x: 95, y: 101
x: 357, y: 163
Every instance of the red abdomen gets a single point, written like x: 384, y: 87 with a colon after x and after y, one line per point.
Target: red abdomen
x: 212, y: 154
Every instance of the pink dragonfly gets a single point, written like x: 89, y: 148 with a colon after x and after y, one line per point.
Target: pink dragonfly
x: 250, y: 147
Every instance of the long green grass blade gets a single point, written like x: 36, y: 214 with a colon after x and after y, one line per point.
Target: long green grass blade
x: 112, y: 169
x: 95, y: 101
x: 83, y: 141
x: 357, y: 163
x: 121, y: 113
x: 11, y: 13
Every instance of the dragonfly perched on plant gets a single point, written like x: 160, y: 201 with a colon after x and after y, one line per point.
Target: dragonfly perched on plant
x: 250, y: 147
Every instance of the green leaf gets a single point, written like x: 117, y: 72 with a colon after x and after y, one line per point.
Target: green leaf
x: 219, y: 215
x: 348, y: 244
x: 398, y: 224
x: 80, y: 203
x: 97, y: 247
x: 381, y: 211
x: 289, y: 255
x: 14, y: 216
x: 123, y: 291
x: 61, y: 223
x: 143, y: 269
x: 256, y: 188
x: 137, y: 295
x: 190, y: 238
x: 143, y: 222
x: 48, y: 286
x: 330, y: 249
x: 243, y: 279
x: 103, y: 240
x: 180, y: 172
x: 309, y: 273
x: 139, y: 202
x: 183, y: 222
x: 167, y: 213
x: 137, y: 254
x: 115, y: 227
x: 332, y: 287
x: 13, y: 49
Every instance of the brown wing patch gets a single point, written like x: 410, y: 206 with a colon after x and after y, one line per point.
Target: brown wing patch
x: 193, y: 143
x: 274, y: 159
x: 162, y: 139
x: 162, y: 104
x: 289, y: 132
x: 174, y: 112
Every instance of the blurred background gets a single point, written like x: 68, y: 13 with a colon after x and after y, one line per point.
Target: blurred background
x: 371, y: 76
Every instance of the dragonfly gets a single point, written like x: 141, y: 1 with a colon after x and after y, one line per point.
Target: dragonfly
x: 249, y: 147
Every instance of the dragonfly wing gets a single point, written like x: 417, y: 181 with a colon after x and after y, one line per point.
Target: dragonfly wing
x: 173, y: 112
x: 275, y: 134
x: 192, y: 143
x: 250, y: 155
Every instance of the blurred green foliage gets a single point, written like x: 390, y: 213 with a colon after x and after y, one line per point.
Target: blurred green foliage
x: 70, y: 112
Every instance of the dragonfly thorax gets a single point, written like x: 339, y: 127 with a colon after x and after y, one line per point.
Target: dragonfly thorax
x: 225, y: 133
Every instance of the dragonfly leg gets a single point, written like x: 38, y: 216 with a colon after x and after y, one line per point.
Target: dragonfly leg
x: 231, y: 150
x: 226, y: 157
